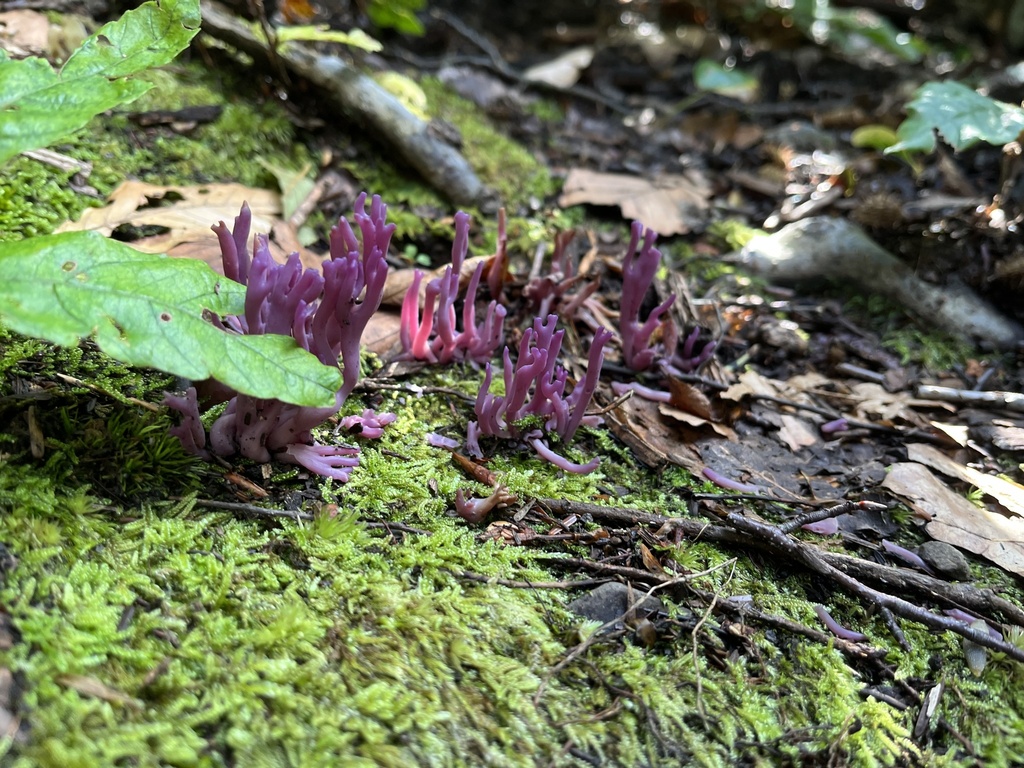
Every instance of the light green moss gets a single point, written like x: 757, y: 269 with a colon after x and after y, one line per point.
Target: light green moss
x: 156, y: 632
x: 932, y: 348
x: 501, y: 162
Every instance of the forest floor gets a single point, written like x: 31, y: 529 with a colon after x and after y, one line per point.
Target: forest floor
x: 665, y: 609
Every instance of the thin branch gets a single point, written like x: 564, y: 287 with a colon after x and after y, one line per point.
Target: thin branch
x: 843, y: 569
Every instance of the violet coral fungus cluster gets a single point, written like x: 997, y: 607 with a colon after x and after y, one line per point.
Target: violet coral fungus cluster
x: 639, y: 352
x: 535, y: 403
x: 326, y: 314
x: 550, y: 292
x: 432, y: 334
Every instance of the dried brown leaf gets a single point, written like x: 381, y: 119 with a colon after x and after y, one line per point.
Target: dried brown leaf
x: 94, y: 688
x: 957, y: 521
x: 24, y: 33
x: 1006, y: 492
x: 671, y: 204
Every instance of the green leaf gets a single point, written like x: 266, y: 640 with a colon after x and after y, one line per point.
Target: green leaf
x: 295, y: 186
x: 854, y: 31
x: 147, y: 310
x: 711, y: 76
x: 961, y: 115
x: 39, y: 106
x: 873, y: 136
x: 399, y: 15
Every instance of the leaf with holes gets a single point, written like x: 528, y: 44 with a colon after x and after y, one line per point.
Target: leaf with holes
x: 149, y: 311
x: 39, y: 106
x: 961, y: 115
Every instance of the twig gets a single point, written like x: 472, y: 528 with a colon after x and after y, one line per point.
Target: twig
x: 252, y: 509
x: 693, y: 637
x: 748, y: 610
x: 390, y: 526
x: 784, y: 544
x: 594, y: 636
x: 359, y: 97
x: 824, y: 514
x: 1011, y: 401
x: 981, y: 601
x: 630, y: 574
x: 568, y: 584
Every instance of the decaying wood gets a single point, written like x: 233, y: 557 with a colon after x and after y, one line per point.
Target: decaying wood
x: 359, y: 97
x: 1011, y: 401
x: 822, y: 248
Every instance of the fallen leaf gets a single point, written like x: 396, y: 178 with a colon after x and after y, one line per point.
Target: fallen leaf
x: 955, y: 432
x: 752, y: 383
x: 1006, y: 492
x: 564, y: 71
x: 382, y: 333
x: 957, y: 521
x: 649, y: 560
x: 693, y: 420
x: 24, y: 33
x: 1008, y: 438
x: 874, y: 403
x: 688, y: 398
x: 188, y: 213
x: 639, y: 425
x: 671, y: 204
x: 797, y: 433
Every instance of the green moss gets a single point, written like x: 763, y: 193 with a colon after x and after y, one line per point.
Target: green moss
x: 931, y: 348
x: 234, y: 640
x: 151, y: 632
x: 35, y: 199
x: 731, y: 234
x: 499, y: 161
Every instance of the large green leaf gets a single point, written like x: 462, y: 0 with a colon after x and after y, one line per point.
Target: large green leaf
x: 961, y: 115
x: 147, y: 310
x: 39, y: 106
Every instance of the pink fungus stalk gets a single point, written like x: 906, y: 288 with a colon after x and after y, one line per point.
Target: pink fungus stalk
x: 726, y: 482
x: 474, y: 510
x: 638, y: 269
x: 550, y: 293
x: 639, y: 350
x: 432, y: 335
x: 836, y: 628
x: 368, y: 424
x: 326, y: 315
x: 535, y: 404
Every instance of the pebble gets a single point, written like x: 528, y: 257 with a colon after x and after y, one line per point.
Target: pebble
x: 609, y: 601
x: 945, y: 559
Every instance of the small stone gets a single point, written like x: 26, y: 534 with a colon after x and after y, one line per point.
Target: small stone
x: 945, y: 559
x: 609, y: 601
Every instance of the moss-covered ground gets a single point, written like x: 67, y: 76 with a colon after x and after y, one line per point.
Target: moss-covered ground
x: 141, y: 627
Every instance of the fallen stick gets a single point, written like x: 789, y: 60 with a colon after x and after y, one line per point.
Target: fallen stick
x: 1011, y: 401
x: 736, y: 529
x: 360, y: 98
x: 824, y: 248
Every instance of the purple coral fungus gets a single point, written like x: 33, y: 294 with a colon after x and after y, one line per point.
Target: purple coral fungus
x: 326, y: 314
x: 432, y: 334
x: 535, y: 404
x: 638, y: 271
x: 639, y: 350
